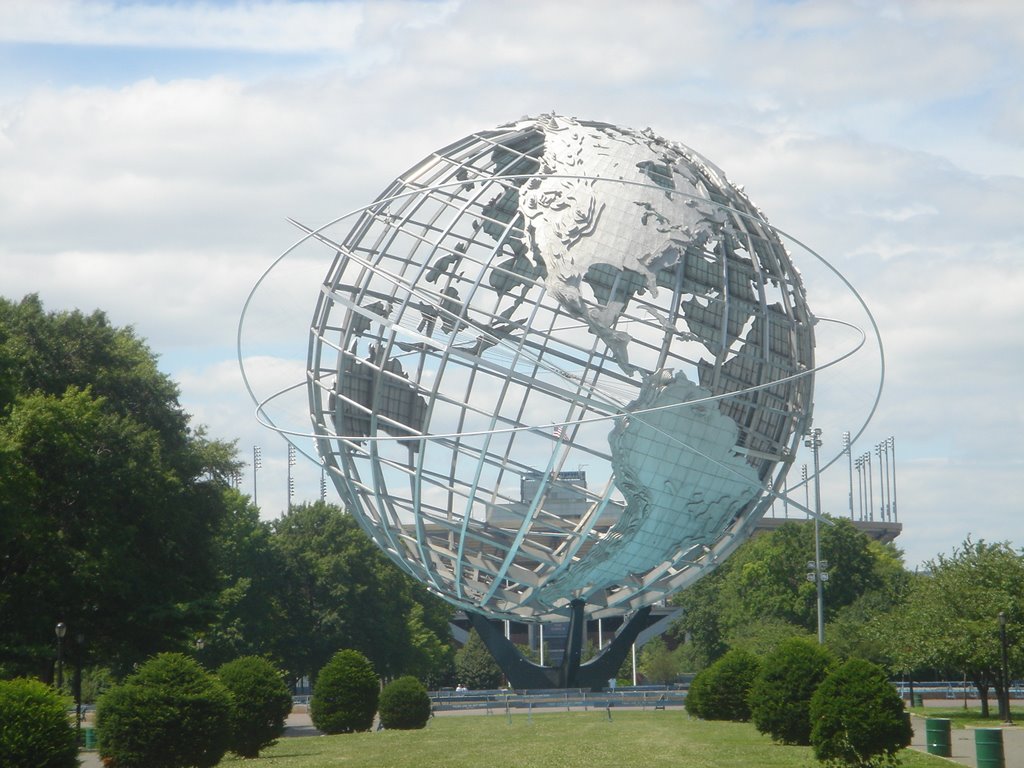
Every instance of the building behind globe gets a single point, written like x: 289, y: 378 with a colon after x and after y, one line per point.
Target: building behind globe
x: 559, y: 362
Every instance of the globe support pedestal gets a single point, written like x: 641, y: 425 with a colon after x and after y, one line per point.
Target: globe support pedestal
x: 525, y: 674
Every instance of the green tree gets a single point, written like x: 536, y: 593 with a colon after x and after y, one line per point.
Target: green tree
x: 171, y: 713
x: 404, y: 704
x: 950, y: 619
x: 475, y: 668
x: 700, y: 629
x: 346, y: 694
x: 780, y: 697
x: 858, y: 717
x: 109, y: 501
x: 34, y: 727
x: 722, y: 691
x: 760, y: 595
x: 260, y: 704
x: 431, y: 657
x: 767, y: 576
x: 250, y: 616
x: 342, y: 592
x: 658, y: 663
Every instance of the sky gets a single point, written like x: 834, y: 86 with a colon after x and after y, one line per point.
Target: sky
x: 152, y: 152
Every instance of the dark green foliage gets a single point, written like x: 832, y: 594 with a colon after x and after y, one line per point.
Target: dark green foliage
x: 261, y: 702
x: 109, y: 500
x: 404, y: 704
x: 475, y: 668
x: 720, y: 691
x: 340, y: 591
x: 34, y: 727
x: 949, y: 620
x: 760, y: 594
x: 345, y: 695
x: 780, y: 698
x: 169, y: 714
x: 858, y: 717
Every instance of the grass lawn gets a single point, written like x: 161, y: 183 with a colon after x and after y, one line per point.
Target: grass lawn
x: 963, y: 718
x: 567, y: 740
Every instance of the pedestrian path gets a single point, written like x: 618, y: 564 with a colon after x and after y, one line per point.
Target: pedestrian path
x: 963, y: 747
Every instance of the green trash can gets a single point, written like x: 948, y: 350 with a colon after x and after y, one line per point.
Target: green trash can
x: 917, y: 700
x: 988, y: 746
x: 936, y: 731
x: 90, y: 737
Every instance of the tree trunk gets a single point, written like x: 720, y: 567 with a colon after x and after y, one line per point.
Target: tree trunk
x: 983, y: 695
x: 1002, y: 698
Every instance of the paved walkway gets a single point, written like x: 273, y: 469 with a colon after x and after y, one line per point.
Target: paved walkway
x: 963, y: 746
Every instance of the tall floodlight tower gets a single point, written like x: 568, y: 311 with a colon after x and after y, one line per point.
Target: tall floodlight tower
x: 892, y: 452
x: 257, y: 464
x: 847, y: 449
x: 291, y: 480
x: 813, y: 442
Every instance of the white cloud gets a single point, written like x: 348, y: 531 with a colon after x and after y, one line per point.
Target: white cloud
x: 883, y: 137
x: 262, y: 26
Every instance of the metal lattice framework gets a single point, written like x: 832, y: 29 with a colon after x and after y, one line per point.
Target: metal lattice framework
x: 559, y: 361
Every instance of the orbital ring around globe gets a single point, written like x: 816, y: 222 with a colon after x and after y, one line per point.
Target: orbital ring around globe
x: 449, y: 425
x: 266, y: 420
x: 715, y: 553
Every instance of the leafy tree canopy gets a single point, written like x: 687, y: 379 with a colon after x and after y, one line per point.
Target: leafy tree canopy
x: 342, y: 592
x: 109, y: 501
x: 950, y: 620
x: 761, y: 595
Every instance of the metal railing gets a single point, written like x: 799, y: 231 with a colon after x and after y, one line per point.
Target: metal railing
x: 566, y: 699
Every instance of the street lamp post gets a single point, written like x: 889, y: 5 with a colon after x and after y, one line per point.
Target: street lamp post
x: 1005, y: 698
x: 61, y: 629
x: 79, y: 649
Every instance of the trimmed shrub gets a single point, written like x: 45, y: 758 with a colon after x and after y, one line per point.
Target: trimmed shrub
x: 345, y: 694
x: 261, y: 702
x: 170, y: 714
x: 34, y: 728
x: 858, y: 718
x: 720, y: 691
x: 404, y: 704
x: 780, y: 698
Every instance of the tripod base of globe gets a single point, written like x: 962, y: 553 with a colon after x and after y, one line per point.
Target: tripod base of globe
x: 524, y: 674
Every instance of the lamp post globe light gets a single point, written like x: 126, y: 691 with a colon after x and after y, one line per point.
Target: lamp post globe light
x: 61, y: 630
x: 532, y: 299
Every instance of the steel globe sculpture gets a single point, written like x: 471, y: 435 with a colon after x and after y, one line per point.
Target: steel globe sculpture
x: 541, y: 303
x: 556, y: 369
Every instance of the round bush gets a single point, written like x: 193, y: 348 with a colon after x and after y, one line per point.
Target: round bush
x: 780, y: 698
x: 345, y: 694
x: 404, y: 704
x: 34, y: 728
x: 720, y: 691
x: 858, y: 718
x: 170, y: 714
x: 261, y: 702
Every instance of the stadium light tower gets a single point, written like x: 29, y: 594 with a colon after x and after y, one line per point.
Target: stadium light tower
x: 849, y: 458
x: 257, y: 464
